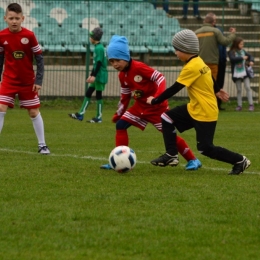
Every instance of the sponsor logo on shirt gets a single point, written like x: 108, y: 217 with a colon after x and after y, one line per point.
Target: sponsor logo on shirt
x: 24, y: 40
x: 138, y: 93
x: 6, y: 42
x: 18, y: 55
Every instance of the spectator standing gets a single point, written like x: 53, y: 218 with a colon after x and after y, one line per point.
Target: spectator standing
x: 209, y: 40
x: 165, y: 4
x: 201, y: 113
x: 139, y: 79
x: 97, y: 79
x: 18, y: 48
x: 222, y: 64
x: 195, y: 9
x: 238, y: 58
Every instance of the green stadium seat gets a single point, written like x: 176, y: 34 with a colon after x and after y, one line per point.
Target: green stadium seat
x: 41, y: 34
x: 71, y: 24
x: 157, y: 44
x: 59, y: 14
x: 54, y: 44
x: 39, y: 14
x: 135, y: 44
x: 74, y: 43
x: 49, y: 23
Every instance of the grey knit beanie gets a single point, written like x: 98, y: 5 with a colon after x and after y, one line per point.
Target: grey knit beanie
x: 96, y: 34
x: 186, y: 41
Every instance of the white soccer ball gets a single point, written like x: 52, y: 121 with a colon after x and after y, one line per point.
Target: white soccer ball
x: 122, y: 159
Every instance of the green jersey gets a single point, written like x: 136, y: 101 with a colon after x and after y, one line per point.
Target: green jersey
x: 100, y: 55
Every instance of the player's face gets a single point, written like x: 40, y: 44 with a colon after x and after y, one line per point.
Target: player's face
x: 181, y: 55
x: 14, y: 21
x: 119, y: 65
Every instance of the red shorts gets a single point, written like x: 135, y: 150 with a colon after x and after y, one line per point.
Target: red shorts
x: 140, y: 115
x: 28, y: 99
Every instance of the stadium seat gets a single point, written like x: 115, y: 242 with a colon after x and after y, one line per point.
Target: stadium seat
x: 54, y: 44
x: 38, y: 13
x: 49, y: 23
x: 41, y: 34
x: 90, y: 23
x: 135, y: 44
x: 71, y: 24
x: 59, y: 14
x: 157, y: 44
x: 30, y: 23
x: 74, y: 43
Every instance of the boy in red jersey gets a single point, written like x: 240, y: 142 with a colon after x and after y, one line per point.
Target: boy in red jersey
x: 18, y: 47
x: 141, y: 80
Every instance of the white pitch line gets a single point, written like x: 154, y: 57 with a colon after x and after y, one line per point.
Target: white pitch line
x: 105, y: 159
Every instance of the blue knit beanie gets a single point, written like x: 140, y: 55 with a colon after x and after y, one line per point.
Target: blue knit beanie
x: 118, y: 48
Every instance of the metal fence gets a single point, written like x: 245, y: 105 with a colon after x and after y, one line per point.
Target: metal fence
x: 62, y: 29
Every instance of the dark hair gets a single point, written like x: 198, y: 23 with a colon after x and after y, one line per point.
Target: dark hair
x: 236, y: 42
x: 14, y: 7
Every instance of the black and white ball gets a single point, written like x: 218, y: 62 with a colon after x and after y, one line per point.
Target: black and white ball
x: 122, y: 159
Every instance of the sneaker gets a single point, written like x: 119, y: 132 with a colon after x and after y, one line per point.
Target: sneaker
x: 238, y: 108
x: 44, y: 150
x: 193, y: 165
x: 165, y: 160
x: 95, y: 120
x: 77, y: 116
x: 251, y: 108
x: 106, y: 167
x: 239, y: 167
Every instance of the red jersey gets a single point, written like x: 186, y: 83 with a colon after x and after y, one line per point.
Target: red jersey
x: 141, y: 81
x: 19, y: 49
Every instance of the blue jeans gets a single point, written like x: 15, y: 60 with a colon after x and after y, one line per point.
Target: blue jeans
x: 195, y: 7
x: 165, y: 5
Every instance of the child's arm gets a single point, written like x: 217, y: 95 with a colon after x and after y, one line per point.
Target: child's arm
x: 122, y: 104
x: 94, y: 72
x: 40, y: 71
x: 1, y: 65
x: 169, y: 92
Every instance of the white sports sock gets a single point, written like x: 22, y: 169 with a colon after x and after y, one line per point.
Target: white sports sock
x: 2, y: 116
x: 39, y: 129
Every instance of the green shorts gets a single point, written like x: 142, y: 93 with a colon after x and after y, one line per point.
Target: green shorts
x: 98, y: 86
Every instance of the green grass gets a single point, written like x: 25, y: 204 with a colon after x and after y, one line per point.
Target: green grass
x: 63, y: 206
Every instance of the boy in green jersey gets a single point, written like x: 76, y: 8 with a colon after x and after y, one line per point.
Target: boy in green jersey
x: 97, y: 79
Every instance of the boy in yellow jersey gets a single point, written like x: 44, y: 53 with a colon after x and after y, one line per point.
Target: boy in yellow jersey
x: 201, y: 113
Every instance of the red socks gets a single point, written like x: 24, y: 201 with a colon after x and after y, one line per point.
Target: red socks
x: 121, y: 137
x: 184, y: 149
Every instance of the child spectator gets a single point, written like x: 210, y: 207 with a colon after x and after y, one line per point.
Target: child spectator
x: 238, y: 58
x: 97, y: 79
x: 201, y: 113
x: 18, y: 48
x: 142, y: 81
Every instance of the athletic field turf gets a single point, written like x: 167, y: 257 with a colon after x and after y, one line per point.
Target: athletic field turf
x: 62, y: 206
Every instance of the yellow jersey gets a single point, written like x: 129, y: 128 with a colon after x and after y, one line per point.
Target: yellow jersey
x: 196, y: 76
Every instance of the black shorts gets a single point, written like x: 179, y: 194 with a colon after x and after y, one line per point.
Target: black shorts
x: 183, y: 121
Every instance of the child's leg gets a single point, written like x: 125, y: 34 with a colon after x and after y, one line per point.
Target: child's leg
x: 184, y: 149
x: 38, y: 125
x: 3, y: 109
x: 99, y: 104
x: 239, y: 92
x: 86, y: 100
x: 248, y: 91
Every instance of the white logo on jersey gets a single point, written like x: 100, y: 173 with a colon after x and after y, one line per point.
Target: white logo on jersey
x: 5, y: 42
x: 24, y: 40
x: 138, y: 78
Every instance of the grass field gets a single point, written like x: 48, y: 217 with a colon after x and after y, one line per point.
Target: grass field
x: 62, y: 206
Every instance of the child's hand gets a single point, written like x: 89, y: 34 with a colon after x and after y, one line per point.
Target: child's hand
x: 245, y: 57
x: 251, y: 63
x: 90, y: 79
x: 36, y: 88
x: 223, y: 95
x: 115, y: 118
x: 149, y: 100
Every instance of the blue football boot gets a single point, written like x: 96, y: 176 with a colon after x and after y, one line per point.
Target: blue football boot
x: 193, y: 165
